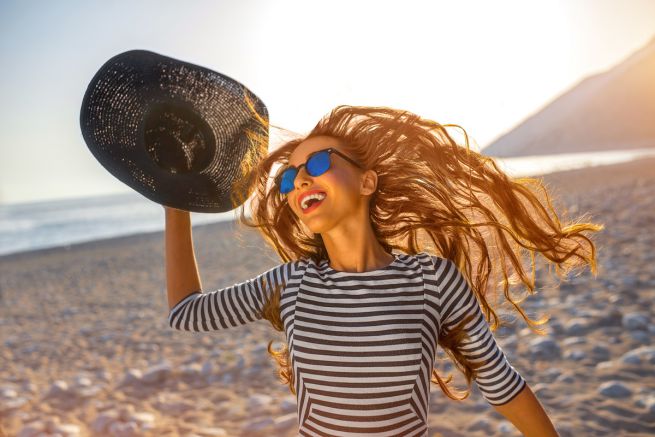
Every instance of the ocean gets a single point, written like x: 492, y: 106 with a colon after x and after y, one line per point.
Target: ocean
x: 46, y: 224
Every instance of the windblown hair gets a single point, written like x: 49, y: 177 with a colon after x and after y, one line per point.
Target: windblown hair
x: 433, y: 195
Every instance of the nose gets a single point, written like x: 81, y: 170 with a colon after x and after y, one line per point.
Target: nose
x: 302, y: 177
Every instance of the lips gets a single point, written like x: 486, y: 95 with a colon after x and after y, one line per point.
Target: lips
x: 312, y: 207
x: 307, y: 193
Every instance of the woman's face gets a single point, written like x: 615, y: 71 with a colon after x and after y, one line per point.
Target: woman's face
x: 341, y: 183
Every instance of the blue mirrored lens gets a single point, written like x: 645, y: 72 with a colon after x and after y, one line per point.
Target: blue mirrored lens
x: 318, y: 164
x: 286, y: 182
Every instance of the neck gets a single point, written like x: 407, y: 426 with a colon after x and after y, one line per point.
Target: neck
x: 353, y: 247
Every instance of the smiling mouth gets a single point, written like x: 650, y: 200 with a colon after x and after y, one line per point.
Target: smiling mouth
x: 313, y: 204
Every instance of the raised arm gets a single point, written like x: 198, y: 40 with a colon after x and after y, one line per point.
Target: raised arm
x: 231, y: 306
x: 182, y: 277
x: 193, y: 310
x: 498, y: 381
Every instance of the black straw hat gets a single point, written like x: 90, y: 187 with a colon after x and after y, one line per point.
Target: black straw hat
x: 173, y: 131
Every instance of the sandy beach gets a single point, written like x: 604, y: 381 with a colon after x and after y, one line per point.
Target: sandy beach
x: 87, y: 350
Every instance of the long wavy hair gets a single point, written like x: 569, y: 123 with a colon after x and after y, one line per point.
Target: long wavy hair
x: 433, y: 195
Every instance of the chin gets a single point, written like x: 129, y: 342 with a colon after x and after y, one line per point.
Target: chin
x: 317, y: 228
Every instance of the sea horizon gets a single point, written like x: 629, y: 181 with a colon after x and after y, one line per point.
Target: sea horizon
x: 44, y: 224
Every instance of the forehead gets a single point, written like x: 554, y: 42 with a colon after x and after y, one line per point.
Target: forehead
x: 307, y: 147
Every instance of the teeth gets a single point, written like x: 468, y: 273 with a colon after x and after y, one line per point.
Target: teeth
x: 318, y: 196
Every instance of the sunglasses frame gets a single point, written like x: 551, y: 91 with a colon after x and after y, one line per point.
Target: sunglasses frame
x: 330, y: 150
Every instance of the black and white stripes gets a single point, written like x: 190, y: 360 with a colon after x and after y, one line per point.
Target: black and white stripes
x: 362, y: 344
x: 498, y: 381
x: 230, y: 307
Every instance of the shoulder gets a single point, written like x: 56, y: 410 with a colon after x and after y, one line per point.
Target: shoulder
x: 440, y: 264
x: 445, y: 272
x: 284, y: 270
x: 295, y: 267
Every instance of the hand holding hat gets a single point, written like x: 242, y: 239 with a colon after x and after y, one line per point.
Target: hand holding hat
x: 173, y: 131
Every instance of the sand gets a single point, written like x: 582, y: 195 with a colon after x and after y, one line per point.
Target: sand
x: 87, y: 350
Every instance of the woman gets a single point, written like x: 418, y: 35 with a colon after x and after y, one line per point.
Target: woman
x: 362, y: 323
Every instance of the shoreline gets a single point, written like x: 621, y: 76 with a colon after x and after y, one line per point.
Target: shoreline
x: 558, y: 179
x: 119, y: 239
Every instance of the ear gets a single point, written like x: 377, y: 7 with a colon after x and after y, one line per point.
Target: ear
x: 369, y: 182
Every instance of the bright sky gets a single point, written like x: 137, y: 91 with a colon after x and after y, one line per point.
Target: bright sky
x: 485, y: 65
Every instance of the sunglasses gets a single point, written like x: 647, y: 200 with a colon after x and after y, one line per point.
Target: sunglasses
x: 317, y: 163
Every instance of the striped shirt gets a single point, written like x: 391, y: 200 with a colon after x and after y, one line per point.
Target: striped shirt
x: 362, y: 345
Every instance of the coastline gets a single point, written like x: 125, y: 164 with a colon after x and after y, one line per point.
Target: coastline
x: 561, y: 178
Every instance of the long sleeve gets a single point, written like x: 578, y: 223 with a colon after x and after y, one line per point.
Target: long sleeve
x: 231, y: 306
x: 498, y: 381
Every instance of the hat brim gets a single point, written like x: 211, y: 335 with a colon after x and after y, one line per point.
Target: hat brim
x: 115, y: 111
